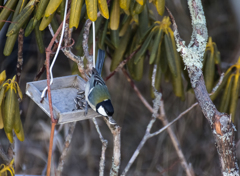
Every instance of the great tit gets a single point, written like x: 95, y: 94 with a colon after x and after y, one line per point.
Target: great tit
x: 96, y: 91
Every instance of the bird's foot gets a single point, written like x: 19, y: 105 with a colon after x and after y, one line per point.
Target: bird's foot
x: 111, y: 120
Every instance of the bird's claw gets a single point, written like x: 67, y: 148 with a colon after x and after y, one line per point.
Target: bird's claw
x: 111, y: 120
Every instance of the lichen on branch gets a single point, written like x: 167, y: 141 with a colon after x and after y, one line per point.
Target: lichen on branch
x: 220, y: 123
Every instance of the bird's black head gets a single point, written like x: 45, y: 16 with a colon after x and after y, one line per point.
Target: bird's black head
x: 105, y: 108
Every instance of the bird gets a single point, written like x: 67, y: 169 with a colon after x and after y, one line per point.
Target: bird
x: 96, y: 91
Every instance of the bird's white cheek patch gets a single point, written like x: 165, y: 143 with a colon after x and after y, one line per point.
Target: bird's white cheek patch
x: 102, y: 111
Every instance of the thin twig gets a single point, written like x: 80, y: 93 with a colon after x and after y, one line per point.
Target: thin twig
x: 120, y: 66
x: 85, y: 45
x: 43, y: 68
x: 4, y: 156
x: 144, y: 101
x: 41, y: 71
x: 156, y: 106
x: 104, y: 147
x: 176, y: 144
x: 116, y: 132
x: 218, y: 84
x: 167, y: 125
x: 68, y: 53
x: 169, y: 168
x: 4, y: 7
x: 66, y: 147
x: 20, y: 55
x: 70, y: 35
x: 172, y: 122
x: 65, y: 37
x: 11, y: 152
x: 148, y: 106
x: 50, y: 148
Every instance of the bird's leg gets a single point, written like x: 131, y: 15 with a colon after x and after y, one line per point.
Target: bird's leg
x: 111, y: 120
x: 86, y: 108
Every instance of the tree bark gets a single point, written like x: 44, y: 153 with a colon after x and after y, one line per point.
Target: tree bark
x: 220, y: 123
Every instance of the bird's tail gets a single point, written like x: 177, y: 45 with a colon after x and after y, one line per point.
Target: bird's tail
x: 100, y: 61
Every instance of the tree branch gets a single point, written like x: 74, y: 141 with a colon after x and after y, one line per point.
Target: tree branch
x: 156, y: 106
x: 20, y: 55
x: 53, y: 120
x: 220, y: 123
x: 11, y: 152
x: 85, y: 44
x: 144, y: 101
x: 176, y: 144
x: 116, y: 132
x: 4, y: 156
x: 104, y: 147
x: 120, y: 66
x: 43, y: 68
x: 163, y: 118
x: 68, y: 53
x: 66, y: 147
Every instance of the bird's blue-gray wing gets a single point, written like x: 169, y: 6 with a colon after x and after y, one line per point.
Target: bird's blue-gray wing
x: 100, y: 61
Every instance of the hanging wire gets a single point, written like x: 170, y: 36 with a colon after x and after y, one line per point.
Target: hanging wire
x: 58, y: 49
x: 93, y: 23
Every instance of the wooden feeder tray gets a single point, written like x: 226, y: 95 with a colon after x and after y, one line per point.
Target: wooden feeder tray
x: 64, y: 91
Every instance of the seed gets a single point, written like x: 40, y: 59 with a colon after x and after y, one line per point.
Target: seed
x: 75, y: 100
x: 80, y: 92
x: 80, y: 103
x: 80, y: 97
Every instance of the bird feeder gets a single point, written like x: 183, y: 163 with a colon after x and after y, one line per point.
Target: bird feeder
x: 63, y: 91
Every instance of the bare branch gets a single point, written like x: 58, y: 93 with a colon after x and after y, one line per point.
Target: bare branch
x: 144, y: 101
x: 116, y: 132
x: 11, y: 152
x: 218, y: 84
x: 68, y: 53
x: 65, y: 37
x: 20, y: 55
x: 156, y: 105
x: 159, y: 103
x: 120, y: 66
x: 221, y: 125
x: 172, y: 122
x: 70, y: 35
x: 85, y: 44
x: 176, y: 144
x: 53, y: 120
x: 43, y: 68
x: 4, y: 156
x: 66, y: 147
x: 104, y: 147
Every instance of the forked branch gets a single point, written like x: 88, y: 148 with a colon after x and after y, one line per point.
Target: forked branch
x: 220, y: 123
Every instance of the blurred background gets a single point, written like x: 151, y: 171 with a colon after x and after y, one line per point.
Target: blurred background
x: 158, y: 156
